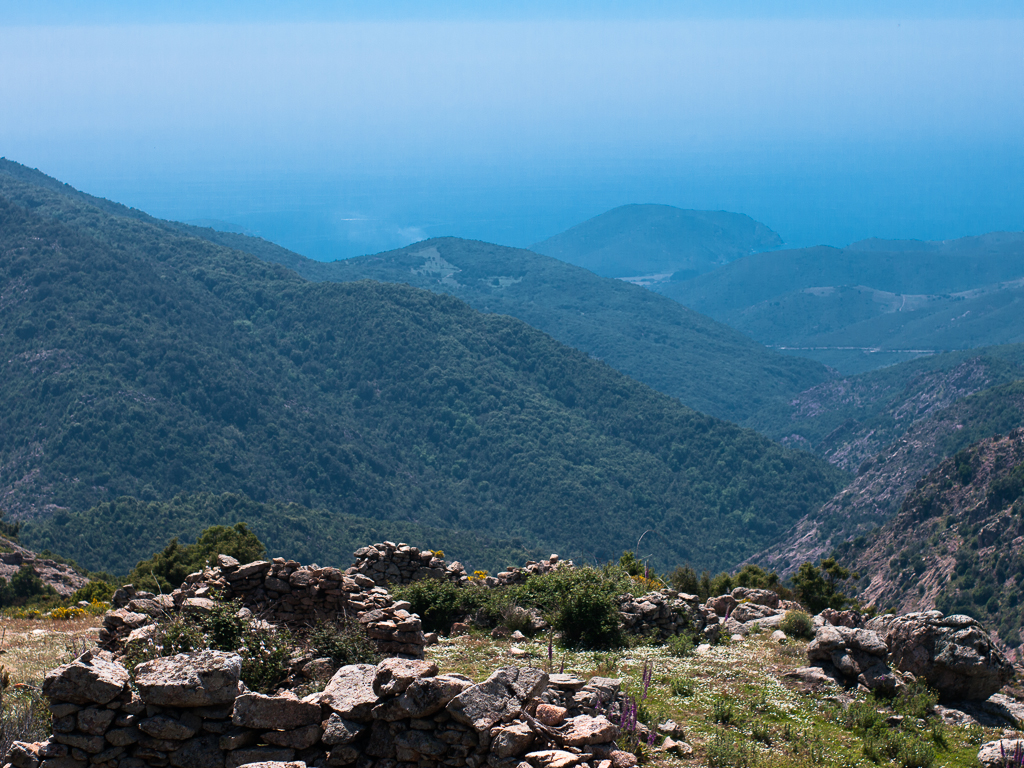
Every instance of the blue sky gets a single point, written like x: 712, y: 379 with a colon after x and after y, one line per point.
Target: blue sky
x: 339, y: 129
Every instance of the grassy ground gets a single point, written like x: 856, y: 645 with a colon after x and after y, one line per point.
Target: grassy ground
x: 32, y: 647
x: 731, y: 702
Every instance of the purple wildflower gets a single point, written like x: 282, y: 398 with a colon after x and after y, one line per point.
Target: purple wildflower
x: 651, y: 738
x: 646, y: 676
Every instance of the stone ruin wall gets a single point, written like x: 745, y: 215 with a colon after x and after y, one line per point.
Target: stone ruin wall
x: 388, y: 563
x: 191, y: 711
x: 278, y: 591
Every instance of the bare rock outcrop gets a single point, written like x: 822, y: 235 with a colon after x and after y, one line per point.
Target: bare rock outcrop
x: 953, y: 654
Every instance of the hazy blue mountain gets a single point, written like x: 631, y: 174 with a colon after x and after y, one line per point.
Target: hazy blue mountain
x: 864, y: 306
x: 635, y: 240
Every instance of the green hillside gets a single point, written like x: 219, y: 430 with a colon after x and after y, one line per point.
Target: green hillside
x: 634, y: 240
x: 864, y: 307
x: 139, y: 361
x: 708, y: 366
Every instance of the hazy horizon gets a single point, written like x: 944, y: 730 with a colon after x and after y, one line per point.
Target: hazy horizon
x: 342, y: 132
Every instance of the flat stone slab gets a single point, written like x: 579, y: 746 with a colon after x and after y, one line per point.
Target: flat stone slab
x: 198, y: 679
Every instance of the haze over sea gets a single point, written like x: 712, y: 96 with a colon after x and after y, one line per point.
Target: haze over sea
x: 337, y: 131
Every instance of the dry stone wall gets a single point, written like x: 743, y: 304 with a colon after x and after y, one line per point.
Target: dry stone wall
x: 191, y: 711
x: 279, y: 591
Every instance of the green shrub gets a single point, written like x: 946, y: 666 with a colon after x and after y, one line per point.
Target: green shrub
x: 182, y: 635
x: 167, y: 569
x: 680, y: 645
x: 589, y: 618
x: 344, y: 642
x: 24, y: 716
x: 95, y: 591
x: 223, y: 626
x: 722, y: 711
x: 265, y: 652
x: 516, y: 618
x: 863, y: 716
x: 916, y: 700
x: 681, y: 687
x: 760, y: 731
x: 727, y: 750
x: 797, y: 624
x: 438, y: 603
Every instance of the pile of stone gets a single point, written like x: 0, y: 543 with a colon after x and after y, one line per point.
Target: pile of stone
x: 745, y: 610
x: 191, y: 711
x: 953, y: 654
x: 666, y: 612
x: 390, y: 563
x: 278, y: 591
x: 516, y: 575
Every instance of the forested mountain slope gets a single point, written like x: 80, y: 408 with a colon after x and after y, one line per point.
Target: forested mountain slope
x: 140, y: 361
x: 707, y: 365
x: 870, y: 304
x: 635, y: 240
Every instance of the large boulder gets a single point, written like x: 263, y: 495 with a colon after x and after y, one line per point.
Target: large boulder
x: 1004, y: 753
x: 199, y: 679
x: 424, y: 697
x: 503, y: 693
x: 92, y: 678
x: 350, y: 692
x: 763, y: 597
x: 953, y: 653
x: 395, y: 675
x: 853, y: 656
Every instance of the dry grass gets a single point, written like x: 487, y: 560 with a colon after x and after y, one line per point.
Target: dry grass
x: 32, y: 647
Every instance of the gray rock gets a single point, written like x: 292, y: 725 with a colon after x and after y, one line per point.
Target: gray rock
x: 338, y: 730
x: 424, y: 697
x: 395, y: 675
x: 554, y: 758
x: 278, y: 713
x: 763, y: 597
x: 954, y: 654
x: 584, y: 730
x: 122, y: 737
x: 240, y: 757
x: 350, y: 692
x: 420, y: 743
x: 95, y: 721
x: 166, y: 727
x: 745, y: 612
x: 512, y: 740
x: 201, y: 752
x: 199, y: 679
x: 504, y: 692
x: 1004, y: 752
x: 90, y: 679
x: 298, y: 738
x: 91, y: 744
x: 23, y: 754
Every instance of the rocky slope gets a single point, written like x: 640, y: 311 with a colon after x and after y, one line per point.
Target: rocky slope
x: 62, y: 577
x: 884, y: 478
x: 957, y: 542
